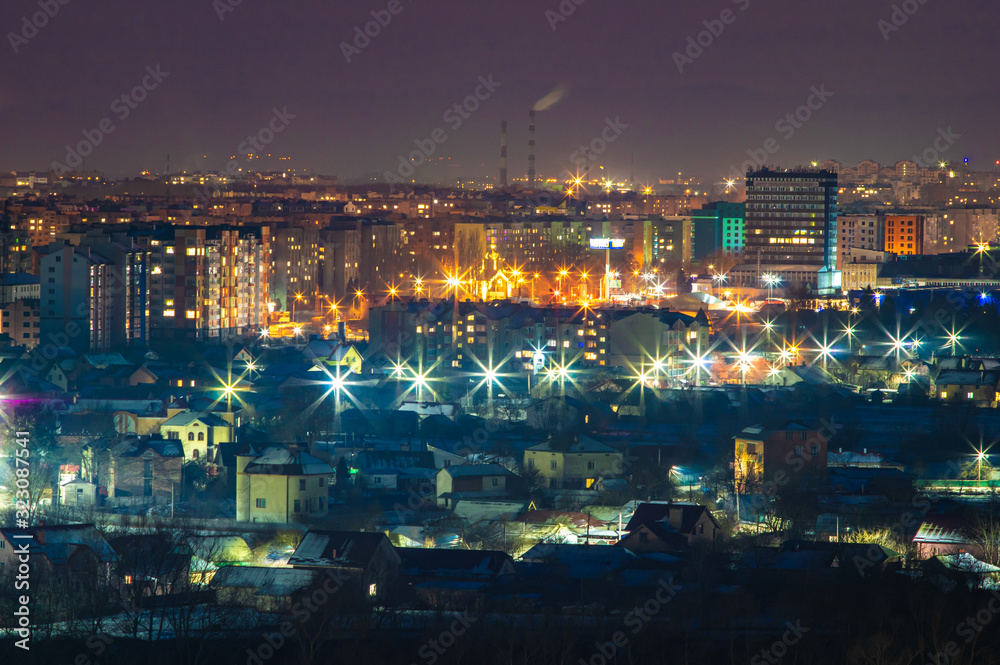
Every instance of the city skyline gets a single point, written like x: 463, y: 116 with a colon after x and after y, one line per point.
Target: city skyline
x: 888, y: 90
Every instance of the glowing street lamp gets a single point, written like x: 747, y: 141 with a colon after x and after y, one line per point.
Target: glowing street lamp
x: 771, y: 281
x: 298, y: 297
x: 849, y: 331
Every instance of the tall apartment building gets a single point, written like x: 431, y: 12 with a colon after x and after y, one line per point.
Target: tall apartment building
x: 858, y: 232
x: 341, y: 260
x: 904, y: 234
x: 94, y: 296
x: 20, y: 320
x: 207, y: 282
x: 295, y: 263
x: 717, y: 226
x: 238, y: 266
x: 507, y: 336
x: 959, y: 228
x: 791, y: 228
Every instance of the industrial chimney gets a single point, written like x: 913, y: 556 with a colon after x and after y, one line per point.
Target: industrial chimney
x: 531, y: 149
x: 503, y: 153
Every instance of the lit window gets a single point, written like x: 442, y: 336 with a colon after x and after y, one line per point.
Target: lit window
x: 191, y: 314
x: 970, y: 395
x: 944, y: 394
x: 372, y: 589
x: 168, y: 312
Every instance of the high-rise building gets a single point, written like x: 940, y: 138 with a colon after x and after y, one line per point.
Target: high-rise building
x: 94, y: 296
x: 791, y: 227
x: 295, y: 264
x: 904, y: 234
x: 858, y: 232
x: 715, y: 227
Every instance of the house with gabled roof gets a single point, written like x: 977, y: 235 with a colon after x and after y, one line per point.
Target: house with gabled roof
x: 149, y: 467
x: 791, y: 448
x: 471, y: 481
x: 281, y: 484
x: 263, y: 588
x: 669, y: 527
x: 453, y: 578
x: 368, y: 558
x: 200, y: 432
x: 573, y: 461
x: 946, y: 533
x: 74, y: 557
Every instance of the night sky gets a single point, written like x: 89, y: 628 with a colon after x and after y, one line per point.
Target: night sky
x: 890, y: 96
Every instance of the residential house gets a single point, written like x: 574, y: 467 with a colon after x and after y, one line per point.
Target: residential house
x: 262, y: 588
x: 946, y: 533
x: 471, y: 481
x: 453, y: 578
x: 669, y: 527
x: 573, y: 461
x: 658, y: 340
x: 145, y: 467
x: 391, y: 471
x: 283, y: 484
x: 368, y: 558
x: 74, y: 558
x: 78, y: 493
x: 153, y: 565
x: 198, y: 432
x: 975, y: 387
x: 790, y: 448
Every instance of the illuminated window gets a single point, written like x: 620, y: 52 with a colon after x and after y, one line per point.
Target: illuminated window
x: 944, y: 394
x: 420, y: 329
x: 372, y: 589
x: 566, y: 344
x: 168, y: 312
x: 970, y: 395
x: 191, y: 251
x: 191, y: 314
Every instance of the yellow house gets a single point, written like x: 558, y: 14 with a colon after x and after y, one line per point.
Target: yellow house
x: 572, y: 461
x: 283, y: 484
x: 199, y: 432
x: 345, y: 356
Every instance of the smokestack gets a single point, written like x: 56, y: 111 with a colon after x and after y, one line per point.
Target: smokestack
x: 503, y: 153
x: 531, y: 149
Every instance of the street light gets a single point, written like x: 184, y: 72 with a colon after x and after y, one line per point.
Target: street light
x: 771, y: 281
x: 298, y: 297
